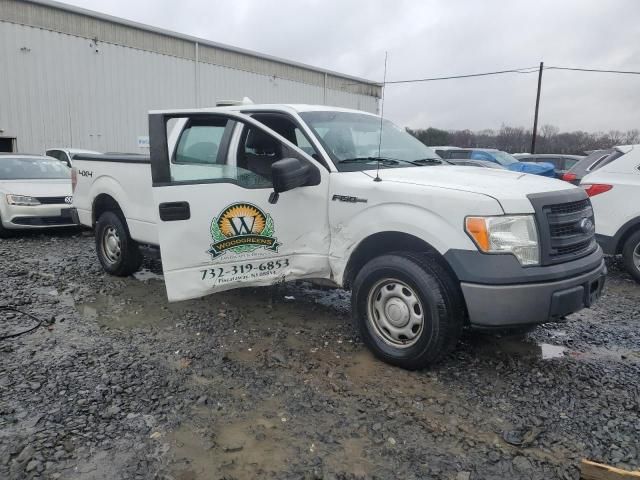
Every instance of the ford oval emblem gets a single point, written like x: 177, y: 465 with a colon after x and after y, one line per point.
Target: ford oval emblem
x: 68, y: 200
x: 587, y: 226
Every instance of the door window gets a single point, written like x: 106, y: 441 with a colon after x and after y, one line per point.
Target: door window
x: 286, y: 127
x: 199, y: 144
x: 256, y: 153
x: 198, y: 154
x: 569, y: 163
x: 201, y: 153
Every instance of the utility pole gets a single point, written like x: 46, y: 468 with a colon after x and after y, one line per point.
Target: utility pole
x: 535, y: 118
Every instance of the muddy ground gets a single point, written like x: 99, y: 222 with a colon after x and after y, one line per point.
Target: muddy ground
x: 273, y: 383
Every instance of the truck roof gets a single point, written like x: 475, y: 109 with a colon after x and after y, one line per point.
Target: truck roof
x: 290, y: 107
x: 72, y: 150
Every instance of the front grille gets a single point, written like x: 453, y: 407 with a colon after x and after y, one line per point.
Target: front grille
x: 565, y: 224
x: 51, y: 200
x: 568, y: 237
x: 575, y: 248
x: 562, y: 230
x: 570, y: 207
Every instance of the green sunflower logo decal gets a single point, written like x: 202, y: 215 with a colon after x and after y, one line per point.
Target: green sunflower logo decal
x: 242, y: 228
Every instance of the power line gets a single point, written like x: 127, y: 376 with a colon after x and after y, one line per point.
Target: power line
x: 470, y: 75
x: 513, y: 70
x: 598, y: 70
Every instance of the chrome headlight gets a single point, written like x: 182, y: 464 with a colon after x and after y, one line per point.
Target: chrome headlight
x: 515, y: 234
x: 22, y: 200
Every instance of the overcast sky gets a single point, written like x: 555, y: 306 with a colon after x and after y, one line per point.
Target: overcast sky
x: 435, y: 38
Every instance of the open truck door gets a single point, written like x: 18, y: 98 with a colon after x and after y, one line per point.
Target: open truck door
x: 238, y: 204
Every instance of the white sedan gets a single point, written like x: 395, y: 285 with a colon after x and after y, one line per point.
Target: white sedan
x: 35, y: 192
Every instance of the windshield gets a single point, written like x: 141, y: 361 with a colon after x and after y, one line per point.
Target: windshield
x: 352, y: 140
x: 32, y: 168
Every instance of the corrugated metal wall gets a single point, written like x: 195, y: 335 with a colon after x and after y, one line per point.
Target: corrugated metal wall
x: 57, y: 90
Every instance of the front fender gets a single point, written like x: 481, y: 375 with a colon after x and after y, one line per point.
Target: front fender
x: 439, y: 232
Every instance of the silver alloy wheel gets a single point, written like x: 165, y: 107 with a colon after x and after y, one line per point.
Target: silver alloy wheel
x: 395, y: 313
x: 111, y: 245
x: 636, y: 256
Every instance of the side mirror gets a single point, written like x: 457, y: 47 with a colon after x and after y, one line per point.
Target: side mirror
x: 289, y: 173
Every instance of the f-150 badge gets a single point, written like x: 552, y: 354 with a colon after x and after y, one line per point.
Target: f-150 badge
x: 242, y: 228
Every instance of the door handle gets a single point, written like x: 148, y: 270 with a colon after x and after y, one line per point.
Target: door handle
x: 172, y: 211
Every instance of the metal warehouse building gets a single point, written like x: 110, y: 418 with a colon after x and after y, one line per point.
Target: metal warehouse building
x: 70, y: 77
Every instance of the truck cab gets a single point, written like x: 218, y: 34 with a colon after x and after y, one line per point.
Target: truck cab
x: 256, y: 195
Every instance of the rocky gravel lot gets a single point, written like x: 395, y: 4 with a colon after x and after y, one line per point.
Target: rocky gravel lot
x: 273, y: 383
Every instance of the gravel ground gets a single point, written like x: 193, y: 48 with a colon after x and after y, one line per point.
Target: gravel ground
x: 273, y: 383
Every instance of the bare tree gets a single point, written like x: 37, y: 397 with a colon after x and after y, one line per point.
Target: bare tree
x: 518, y: 139
x: 615, y: 137
x: 632, y: 137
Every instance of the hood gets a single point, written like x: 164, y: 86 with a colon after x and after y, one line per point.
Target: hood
x: 509, y: 188
x: 545, y: 169
x: 37, y: 188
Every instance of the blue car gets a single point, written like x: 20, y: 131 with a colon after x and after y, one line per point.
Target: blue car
x: 503, y: 159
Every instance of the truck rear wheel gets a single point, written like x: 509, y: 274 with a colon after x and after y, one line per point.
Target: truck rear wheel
x: 118, y: 253
x: 631, y: 255
x: 408, y: 309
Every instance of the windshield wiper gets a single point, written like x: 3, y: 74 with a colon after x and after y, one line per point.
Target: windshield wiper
x: 429, y: 161
x: 387, y: 160
x: 391, y: 161
x: 394, y: 161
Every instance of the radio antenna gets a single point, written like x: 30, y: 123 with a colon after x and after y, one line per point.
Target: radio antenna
x: 384, y: 82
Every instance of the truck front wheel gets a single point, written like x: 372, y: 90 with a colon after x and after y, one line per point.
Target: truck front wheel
x: 631, y: 255
x: 117, y: 251
x: 408, y: 309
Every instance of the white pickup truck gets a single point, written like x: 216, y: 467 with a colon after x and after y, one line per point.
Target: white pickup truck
x: 259, y: 194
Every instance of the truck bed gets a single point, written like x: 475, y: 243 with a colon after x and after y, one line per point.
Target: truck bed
x: 126, y: 179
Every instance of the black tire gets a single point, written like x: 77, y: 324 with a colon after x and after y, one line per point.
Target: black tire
x: 631, y: 254
x: 441, y: 304
x: 5, y: 233
x: 129, y: 259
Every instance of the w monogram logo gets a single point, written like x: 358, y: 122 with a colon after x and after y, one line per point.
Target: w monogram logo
x: 242, y: 225
x: 241, y: 228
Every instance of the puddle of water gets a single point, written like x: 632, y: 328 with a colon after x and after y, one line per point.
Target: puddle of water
x: 145, y: 275
x: 65, y: 299
x: 241, y: 449
x: 50, y: 291
x: 137, y: 305
x: 559, y: 333
x: 489, y: 345
x: 548, y: 351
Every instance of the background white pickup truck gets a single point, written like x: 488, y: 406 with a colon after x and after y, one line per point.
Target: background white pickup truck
x: 255, y: 195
